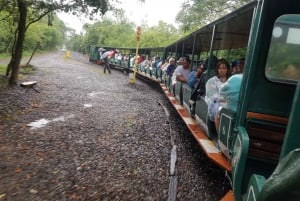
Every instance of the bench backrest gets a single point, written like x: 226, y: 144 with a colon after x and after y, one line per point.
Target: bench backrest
x: 266, y: 134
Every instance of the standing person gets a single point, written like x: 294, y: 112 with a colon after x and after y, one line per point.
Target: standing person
x: 213, y: 98
x: 106, y: 56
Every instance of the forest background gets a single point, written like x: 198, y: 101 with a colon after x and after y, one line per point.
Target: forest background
x: 44, y: 31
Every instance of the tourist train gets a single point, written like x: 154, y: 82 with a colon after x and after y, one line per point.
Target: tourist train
x: 258, y: 144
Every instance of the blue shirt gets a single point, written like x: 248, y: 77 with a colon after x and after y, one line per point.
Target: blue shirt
x: 192, y: 79
x: 230, y: 91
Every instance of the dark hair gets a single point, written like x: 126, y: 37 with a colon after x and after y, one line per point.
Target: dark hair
x: 225, y: 62
x: 187, y: 58
x: 235, y: 63
x: 214, y: 61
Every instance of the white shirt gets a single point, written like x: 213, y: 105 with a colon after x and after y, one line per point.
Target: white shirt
x: 180, y: 71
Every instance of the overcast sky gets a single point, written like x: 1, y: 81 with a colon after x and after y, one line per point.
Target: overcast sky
x: 151, y: 11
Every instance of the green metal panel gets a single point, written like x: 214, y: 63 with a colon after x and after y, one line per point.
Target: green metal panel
x: 284, y: 183
x: 93, y: 53
x: 186, y: 93
x: 258, y: 93
x: 225, y: 133
x: 254, y: 188
x: 178, y: 92
x: 240, y: 151
x: 201, y: 109
x: 292, y: 136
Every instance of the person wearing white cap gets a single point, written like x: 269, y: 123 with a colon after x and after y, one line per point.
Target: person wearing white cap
x: 107, y: 55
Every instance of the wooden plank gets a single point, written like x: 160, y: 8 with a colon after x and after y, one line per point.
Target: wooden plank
x: 28, y: 84
x: 229, y: 196
x: 267, y: 117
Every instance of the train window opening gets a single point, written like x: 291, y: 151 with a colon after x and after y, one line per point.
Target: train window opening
x: 283, y: 63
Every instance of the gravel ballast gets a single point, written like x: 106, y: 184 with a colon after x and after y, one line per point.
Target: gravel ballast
x: 94, y: 136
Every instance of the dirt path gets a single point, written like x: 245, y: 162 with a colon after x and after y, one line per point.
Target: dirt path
x: 93, y: 136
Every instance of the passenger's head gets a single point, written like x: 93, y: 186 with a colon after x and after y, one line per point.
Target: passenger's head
x: 235, y: 67
x: 186, y: 62
x: 179, y: 61
x: 172, y: 61
x: 242, y: 64
x: 223, y: 69
x: 214, y: 61
x: 200, y: 69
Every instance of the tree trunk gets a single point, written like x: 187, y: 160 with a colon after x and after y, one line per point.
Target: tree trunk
x: 17, y: 52
x: 36, y: 47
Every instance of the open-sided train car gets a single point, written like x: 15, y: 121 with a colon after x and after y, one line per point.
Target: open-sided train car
x: 146, y: 54
x: 257, y: 145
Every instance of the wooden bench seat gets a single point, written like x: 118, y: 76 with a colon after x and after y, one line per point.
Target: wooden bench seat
x: 266, y: 134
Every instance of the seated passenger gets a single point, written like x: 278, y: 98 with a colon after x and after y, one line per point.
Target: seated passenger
x: 165, y: 65
x: 199, y: 89
x: 171, y: 66
x: 237, y: 66
x: 195, y: 75
x: 230, y: 91
x: 181, y: 73
x: 145, y: 65
x: 213, y: 98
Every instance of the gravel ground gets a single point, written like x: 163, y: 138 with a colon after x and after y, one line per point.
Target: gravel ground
x: 93, y: 136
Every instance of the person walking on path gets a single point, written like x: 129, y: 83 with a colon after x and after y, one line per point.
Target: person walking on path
x: 106, y: 56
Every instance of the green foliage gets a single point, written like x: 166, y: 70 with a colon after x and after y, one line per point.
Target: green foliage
x: 197, y: 13
x: 104, y: 33
x: 6, y: 31
x: 231, y: 55
x: 160, y: 36
x: 121, y: 33
x: 24, y: 13
x: 48, y: 37
x: 283, y: 62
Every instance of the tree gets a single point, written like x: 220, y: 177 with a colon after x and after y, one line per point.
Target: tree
x: 26, y: 12
x: 6, y: 36
x: 197, y: 13
x: 120, y: 34
x: 158, y: 36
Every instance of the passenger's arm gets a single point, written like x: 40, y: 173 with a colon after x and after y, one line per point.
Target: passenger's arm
x: 181, y: 78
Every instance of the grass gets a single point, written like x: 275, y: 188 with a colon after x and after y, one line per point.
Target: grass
x: 2, y: 69
x: 4, y: 56
x: 4, y: 80
x: 23, y: 70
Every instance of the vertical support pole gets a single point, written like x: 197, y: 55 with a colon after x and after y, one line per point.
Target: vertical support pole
x: 138, y: 38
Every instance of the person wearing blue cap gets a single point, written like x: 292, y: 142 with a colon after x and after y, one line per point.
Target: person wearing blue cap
x: 235, y: 67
